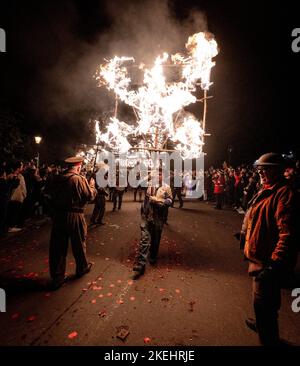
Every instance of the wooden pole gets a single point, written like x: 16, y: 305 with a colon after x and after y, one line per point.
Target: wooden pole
x: 204, y: 110
x: 152, y: 149
x: 116, y: 106
x: 95, y: 161
x: 155, y: 147
x: 136, y: 116
x: 156, y: 138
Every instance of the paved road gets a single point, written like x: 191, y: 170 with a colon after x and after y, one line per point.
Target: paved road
x: 197, y: 294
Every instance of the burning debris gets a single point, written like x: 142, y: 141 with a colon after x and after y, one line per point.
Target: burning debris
x: 158, y: 104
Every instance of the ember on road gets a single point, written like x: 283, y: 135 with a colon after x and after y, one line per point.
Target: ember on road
x: 198, y: 293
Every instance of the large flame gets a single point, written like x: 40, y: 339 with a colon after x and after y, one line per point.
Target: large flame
x: 156, y: 103
x: 190, y: 137
x: 202, y: 49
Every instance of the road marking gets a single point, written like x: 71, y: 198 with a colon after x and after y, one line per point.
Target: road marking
x: 120, y: 298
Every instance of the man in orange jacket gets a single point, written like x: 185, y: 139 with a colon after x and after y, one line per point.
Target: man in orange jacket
x: 270, y: 244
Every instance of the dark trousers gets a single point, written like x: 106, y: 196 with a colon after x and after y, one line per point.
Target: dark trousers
x: 219, y: 200
x: 150, y: 240
x: 13, y: 213
x: 99, y: 209
x: 138, y: 190
x: 28, y: 209
x: 177, y: 192
x: 3, y: 217
x: 67, y: 226
x: 166, y: 214
x: 117, y: 196
x: 111, y: 192
x: 238, y: 195
x: 266, y: 302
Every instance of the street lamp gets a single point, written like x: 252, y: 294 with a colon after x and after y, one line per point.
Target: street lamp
x: 37, y: 140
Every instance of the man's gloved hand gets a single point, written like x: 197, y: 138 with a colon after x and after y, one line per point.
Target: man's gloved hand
x: 272, y: 271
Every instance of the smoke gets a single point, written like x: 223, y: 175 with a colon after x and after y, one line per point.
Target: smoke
x: 144, y: 29
x: 67, y: 42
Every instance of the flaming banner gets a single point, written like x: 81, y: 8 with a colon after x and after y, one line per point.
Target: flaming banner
x: 159, y: 106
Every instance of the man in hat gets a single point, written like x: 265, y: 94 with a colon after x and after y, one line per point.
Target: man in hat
x: 99, y: 208
x: 153, y: 211
x: 70, y: 192
x: 270, y: 244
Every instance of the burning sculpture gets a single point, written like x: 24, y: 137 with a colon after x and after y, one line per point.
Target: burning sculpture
x: 157, y: 104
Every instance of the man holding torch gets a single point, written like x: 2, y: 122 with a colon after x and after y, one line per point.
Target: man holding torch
x: 153, y: 212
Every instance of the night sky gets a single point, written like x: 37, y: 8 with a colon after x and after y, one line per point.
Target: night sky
x: 54, y: 47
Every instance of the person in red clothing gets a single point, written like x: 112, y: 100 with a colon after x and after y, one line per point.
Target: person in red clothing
x: 219, y: 185
x: 270, y: 237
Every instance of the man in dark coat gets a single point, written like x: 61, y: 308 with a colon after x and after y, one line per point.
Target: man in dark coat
x: 70, y: 192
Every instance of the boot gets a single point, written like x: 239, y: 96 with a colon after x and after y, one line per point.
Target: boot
x: 251, y: 324
x: 85, y: 271
x: 138, y: 271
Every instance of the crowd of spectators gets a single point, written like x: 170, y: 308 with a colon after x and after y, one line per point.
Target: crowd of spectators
x: 23, y: 189
x: 23, y: 193
x: 234, y: 187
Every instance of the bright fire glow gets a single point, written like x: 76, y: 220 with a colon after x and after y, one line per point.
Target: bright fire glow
x: 190, y: 137
x: 157, y: 103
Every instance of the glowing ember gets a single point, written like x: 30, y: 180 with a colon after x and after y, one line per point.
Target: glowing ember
x: 72, y: 335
